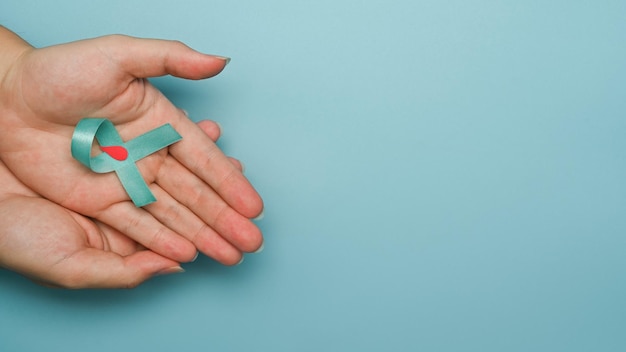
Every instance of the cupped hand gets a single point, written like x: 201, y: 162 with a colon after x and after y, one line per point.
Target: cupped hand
x: 203, y: 200
x: 59, y: 247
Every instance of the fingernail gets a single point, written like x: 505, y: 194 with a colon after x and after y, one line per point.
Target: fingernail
x: 225, y: 58
x: 260, y: 216
x: 241, y: 261
x: 196, y: 257
x: 260, y: 248
x: 172, y: 270
x: 243, y: 167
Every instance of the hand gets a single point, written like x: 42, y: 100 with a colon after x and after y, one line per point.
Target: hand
x: 204, y: 201
x: 58, y: 247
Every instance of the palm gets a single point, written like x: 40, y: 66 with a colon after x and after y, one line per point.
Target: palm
x: 56, y: 98
x: 60, y: 85
x: 71, y: 185
x: 50, y: 244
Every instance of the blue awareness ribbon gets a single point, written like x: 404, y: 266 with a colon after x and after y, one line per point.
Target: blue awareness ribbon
x: 120, y: 156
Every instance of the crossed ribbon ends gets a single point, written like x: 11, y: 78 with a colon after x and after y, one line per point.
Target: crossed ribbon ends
x: 120, y: 156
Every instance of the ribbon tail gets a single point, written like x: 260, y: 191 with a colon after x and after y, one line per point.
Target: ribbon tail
x: 135, y: 185
x: 152, y: 141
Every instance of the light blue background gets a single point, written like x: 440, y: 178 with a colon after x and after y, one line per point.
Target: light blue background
x: 438, y: 176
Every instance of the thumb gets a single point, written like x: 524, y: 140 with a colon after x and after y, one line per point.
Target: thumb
x: 144, y: 58
x: 93, y: 268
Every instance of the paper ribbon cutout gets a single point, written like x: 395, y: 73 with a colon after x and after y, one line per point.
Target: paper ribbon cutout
x: 120, y: 156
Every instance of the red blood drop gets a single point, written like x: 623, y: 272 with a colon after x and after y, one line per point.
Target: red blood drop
x: 116, y: 152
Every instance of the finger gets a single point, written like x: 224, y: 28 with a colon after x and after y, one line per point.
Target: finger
x: 144, y: 58
x: 211, y: 128
x: 142, y: 227
x: 93, y: 268
x: 11, y: 185
x: 182, y: 220
x: 197, y: 196
x: 203, y: 158
x: 115, y: 241
x: 238, y: 164
x: 56, y: 249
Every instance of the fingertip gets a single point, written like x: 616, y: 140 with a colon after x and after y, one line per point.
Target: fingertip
x: 188, y: 253
x: 260, y: 249
x: 238, y: 164
x: 144, y: 265
x: 254, y: 207
x: 250, y: 238
x: 171, y: 270
x: 233, y: 261
x: 174, y: 246
x: 208, y: 66
x: 211, y: 128
x: 260, y: 216
x: 223, y: 58
x: 240, y: 194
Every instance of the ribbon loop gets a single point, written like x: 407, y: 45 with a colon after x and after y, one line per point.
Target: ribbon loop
x: 123, y: 155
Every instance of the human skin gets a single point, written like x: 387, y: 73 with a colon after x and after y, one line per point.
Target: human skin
x: 58, y: 247
x: 204, y: 202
